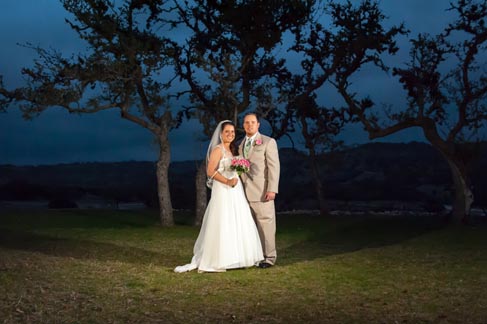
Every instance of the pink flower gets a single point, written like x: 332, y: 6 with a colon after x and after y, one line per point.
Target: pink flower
x: 258, y: 141
x: 240, y: 165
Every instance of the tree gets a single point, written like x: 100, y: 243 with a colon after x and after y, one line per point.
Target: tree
x: 229, y: 61
x: 121, y: 69
x: 446, y: 85
x: 4, y: 99
x: 353, y: 31
x: 319, y: 127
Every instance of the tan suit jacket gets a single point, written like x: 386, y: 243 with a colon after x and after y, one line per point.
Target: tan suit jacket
x: 263, y: 175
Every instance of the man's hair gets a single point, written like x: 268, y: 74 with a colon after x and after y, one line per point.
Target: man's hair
x: 252, y: 113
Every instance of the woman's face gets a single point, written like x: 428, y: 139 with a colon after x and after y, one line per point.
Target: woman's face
x: 228, y: 133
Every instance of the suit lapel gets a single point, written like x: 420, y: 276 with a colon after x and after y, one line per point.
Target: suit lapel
x: 240, y: 146
x: 258, y: 137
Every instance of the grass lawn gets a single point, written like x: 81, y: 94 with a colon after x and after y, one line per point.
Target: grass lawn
x: 116, y: 267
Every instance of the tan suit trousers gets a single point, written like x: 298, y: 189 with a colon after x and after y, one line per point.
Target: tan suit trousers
x: 264, y: 216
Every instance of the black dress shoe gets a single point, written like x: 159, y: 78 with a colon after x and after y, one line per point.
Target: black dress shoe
x: 264, y: 265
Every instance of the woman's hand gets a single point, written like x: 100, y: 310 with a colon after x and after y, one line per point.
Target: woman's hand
x: 232, y: 182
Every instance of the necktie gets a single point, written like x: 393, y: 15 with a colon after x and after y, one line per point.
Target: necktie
x: 247, y: 147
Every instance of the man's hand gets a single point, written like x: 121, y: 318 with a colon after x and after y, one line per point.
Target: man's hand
x: 270, y: 196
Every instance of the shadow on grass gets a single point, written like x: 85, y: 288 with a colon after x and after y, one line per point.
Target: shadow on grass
x: 78, y: 249
x: 338, y: 235
x: 87, y: 219
x: 300, y: 237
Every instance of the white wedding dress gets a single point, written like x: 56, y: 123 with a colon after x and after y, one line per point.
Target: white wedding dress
x: 228, y: 238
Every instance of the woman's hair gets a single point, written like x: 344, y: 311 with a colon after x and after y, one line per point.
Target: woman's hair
x: 233, y: 144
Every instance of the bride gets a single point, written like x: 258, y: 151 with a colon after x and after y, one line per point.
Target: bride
x: 228, y: 238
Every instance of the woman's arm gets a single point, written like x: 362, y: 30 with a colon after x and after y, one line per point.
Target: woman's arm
x: 212, y: 169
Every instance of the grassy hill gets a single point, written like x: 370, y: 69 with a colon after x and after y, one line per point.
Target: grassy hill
x: 116, y: 267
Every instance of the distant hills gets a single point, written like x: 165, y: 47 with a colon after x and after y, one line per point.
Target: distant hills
x: 412, y: 172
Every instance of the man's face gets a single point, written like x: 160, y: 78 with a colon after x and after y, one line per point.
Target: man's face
x: 251, y: 125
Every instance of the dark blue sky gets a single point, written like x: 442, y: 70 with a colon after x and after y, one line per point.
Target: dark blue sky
x: 58, y: 137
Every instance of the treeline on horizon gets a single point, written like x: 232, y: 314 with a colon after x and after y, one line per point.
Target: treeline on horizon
x: 412, y: 172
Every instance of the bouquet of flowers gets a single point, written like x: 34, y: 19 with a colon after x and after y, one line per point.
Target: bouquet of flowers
x: 240, y: 165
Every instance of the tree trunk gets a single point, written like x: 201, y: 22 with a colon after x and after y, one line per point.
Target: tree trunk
x: 457, y: 160
x: 201, y: 194
x: 463, y: 196
x: 165, y: 205
x: 317, y: 183
x: 315, y: 172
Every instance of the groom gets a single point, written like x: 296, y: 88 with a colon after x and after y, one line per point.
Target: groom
x: 261, y: 184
